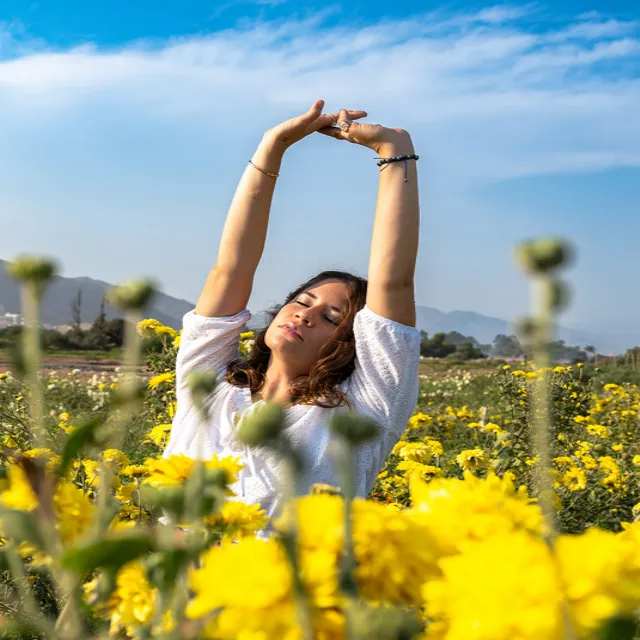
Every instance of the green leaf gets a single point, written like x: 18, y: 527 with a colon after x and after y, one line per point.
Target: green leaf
x: 108, y: 553
x: 83, y: 436
x: 618, y: 628
x: 20, y: 526
x: 163, y: 568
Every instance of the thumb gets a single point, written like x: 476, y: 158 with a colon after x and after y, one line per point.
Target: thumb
x: 316, y: 109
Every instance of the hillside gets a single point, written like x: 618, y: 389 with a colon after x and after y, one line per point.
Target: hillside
x: 169, y: 310
x: 56, y: 306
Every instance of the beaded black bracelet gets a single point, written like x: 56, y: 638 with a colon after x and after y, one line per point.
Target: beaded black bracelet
x: 411, y: 156
x: 387, y: 161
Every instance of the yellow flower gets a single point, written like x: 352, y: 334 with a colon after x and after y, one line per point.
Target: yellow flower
x: 115, y: 458
x: 135, y: 470
x: 238, y: 519
x: 166, y: 472
x: 471, y: 459
x: 492, y: 427
x: 435, y: 447
x: 598, y: 430
x: 64, y: 417
x: 601, y: 574
x: 75, y: 511
x: 424, y: 471
x: 392, y: 550
x: 419, y: 420
x: 133, y: 600
x: 575, y: 479
x: 158, y: 434
x: 176, y: 341
x: 505, y: 606
x: 52, y: 459
x: 19, y: 495
x: 455, y: 512
x: 150, y: 327
x: 251, y: 584
x: 635, y: 461
x: 246, y: 335
x: 416, y: 451
x: 506, y: 367
x: 617, y: 447
x: 161, y: 378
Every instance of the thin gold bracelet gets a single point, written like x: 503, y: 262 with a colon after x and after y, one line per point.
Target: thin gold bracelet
x: 266, y: 173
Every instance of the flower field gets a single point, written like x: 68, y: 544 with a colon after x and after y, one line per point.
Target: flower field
x: 467, y: 533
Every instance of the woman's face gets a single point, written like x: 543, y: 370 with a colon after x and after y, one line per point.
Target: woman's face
x: 302, y: 327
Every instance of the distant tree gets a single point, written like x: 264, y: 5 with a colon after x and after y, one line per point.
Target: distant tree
x: 97, y: 337
x: 114, y: 329
x: 468, y: 351
x: 76, y: 311
x: 436, y: 347
x: 506, y: 347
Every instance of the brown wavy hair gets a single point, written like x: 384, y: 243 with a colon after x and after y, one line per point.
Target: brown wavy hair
x: 336, y: 360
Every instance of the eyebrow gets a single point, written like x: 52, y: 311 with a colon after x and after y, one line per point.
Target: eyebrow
x: 315, y: 297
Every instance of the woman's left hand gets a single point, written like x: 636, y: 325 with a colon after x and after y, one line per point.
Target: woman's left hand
x: 372, y: 136
x: 295, y: 129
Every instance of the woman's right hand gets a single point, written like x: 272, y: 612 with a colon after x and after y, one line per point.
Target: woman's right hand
x: 293, y: 130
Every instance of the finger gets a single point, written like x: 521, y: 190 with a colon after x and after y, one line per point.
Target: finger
x: 314, y: 111
x: 327, y: 119
x: 342, y: 116
x: 333, y: 132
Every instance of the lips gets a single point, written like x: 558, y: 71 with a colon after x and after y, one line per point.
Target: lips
x: 289, y: 326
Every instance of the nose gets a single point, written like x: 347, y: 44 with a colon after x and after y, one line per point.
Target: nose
x: 305, y: 315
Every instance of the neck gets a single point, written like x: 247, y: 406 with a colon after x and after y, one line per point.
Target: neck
x: 278, y: 381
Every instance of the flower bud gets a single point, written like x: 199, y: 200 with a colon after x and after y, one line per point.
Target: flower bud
x: 32, y: 269
x: 263, y: 426
x: 132, y: 296
x: 133, y: 392
x: 383, y: 623
x: 354, y: 428
x: 543, y: 255
x: 216, y: 478
x: 527, y: 329
x: 557, y: 295
x: 201, y: 383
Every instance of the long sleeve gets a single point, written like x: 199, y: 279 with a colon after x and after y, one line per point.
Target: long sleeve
x: 383, y: 386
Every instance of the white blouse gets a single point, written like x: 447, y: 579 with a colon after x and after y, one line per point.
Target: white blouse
x: 383, y: 386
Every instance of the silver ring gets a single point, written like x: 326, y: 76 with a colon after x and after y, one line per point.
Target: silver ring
x: 345, y: 125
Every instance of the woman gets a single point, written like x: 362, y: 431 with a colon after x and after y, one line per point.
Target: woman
x: 337, y: 343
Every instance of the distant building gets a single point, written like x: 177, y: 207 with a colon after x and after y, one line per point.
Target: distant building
x: 10, y: 320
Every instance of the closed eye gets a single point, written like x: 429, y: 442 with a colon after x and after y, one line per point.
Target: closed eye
x: 327, y: 318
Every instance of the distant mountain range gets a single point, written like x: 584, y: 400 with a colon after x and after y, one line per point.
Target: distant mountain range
x: 56, y: 306
x: 56, y: 310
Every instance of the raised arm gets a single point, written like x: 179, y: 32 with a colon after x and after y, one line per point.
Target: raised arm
x: 394, y: 245
x: 228, y: 285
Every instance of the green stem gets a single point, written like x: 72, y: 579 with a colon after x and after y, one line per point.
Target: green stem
x: 35, y: 617
x: 31, y: 341
x: 541, y: 419
x: 290, y: 488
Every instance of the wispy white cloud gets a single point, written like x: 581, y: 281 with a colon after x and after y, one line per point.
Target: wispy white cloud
x: 483, y: 85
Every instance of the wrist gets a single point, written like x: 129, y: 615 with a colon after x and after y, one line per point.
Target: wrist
x: 272, y: 146
x: 397, y: 144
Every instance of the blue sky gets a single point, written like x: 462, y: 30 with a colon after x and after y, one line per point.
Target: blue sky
x: 124, y: 128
